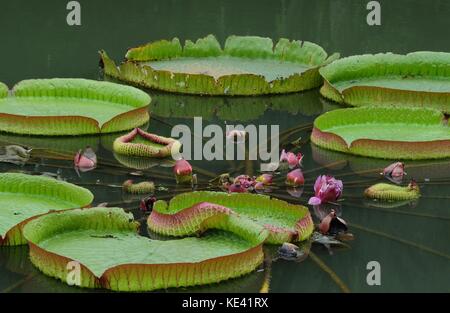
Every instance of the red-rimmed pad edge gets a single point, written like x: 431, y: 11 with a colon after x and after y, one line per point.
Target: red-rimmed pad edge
x: 387, y: 149
x: 188, y: 213
x: 422, y: 64
x: 138, y: 276
x: 39, y: 185
x: 72, y: 124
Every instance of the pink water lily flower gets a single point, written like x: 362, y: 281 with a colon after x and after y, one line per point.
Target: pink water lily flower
x: 295, y: 178
x: 85, y: 160
x: 245, y: 181
x: 236, y: 136
x: 326, y: 189
x: 237, y: 188
x: 291, y: 158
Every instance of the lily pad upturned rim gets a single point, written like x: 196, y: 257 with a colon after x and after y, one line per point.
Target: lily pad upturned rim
x: 136, y: 276
x: 76, y: 88
x: 123, y: 145
x: 39, y: 186
x: 421, y: 64
x: 378, y: 148
x: 249, y: 47
x: 188, y: 213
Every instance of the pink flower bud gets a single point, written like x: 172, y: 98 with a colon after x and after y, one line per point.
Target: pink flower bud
x: 295, y: 178
x: 265, y: 179
x: 85, y: 160
x: 183, y: 171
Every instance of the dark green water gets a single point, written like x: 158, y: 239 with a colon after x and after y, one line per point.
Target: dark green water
x: 410, y: 241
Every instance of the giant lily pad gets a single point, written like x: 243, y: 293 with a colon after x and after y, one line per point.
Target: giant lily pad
x: 23, y: 197
x: 416, y: 79
x: 190, y: 213
x: 384, y: 132
x: 112, y: 255
x: 247, y: 65
x: 72, y: 107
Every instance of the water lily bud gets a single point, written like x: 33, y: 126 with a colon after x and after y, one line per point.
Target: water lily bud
x: 147, y: 203
x: 266, y: 179
x: 85, y: 160
x: 295, y: 178
x: 183, y: 172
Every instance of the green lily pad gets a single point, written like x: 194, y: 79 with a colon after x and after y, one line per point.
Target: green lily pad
x: 416, y: 79
x: 112, y: 255
x: 247, y: 65
x: 3, y: 90
x: 390, y: 192
x: 190, y: 213
x: 23, y: 197
x: 72, y: 107
x: 384, y: 132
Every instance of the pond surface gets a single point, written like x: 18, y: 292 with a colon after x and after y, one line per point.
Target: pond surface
x: 409, y: 240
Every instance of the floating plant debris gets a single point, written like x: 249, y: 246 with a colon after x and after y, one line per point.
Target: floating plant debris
x: 389, y: 192
x: 332, y: 224
x: 247, y: 65
x: 23, y: 197
x: 416, y: 79
x: 139, y: 143
x: 93, y: 236
x: 290, y: 252
x: 146, y: 204
x: 188, y: 213
x: 384, y: 132
x: 14, y: 154
x: 67, y: 106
